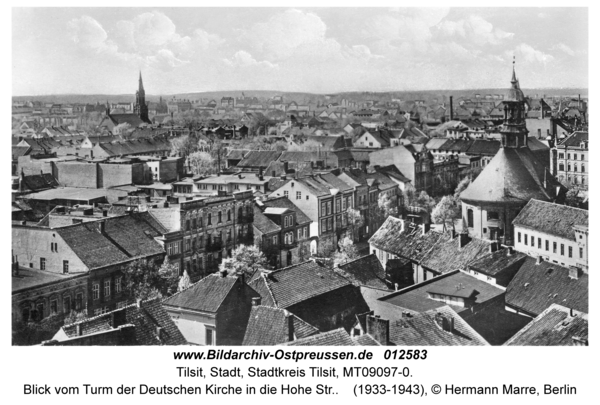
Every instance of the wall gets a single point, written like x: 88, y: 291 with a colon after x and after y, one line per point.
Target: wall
x: 169, y: 169
x: 33, y: 166
x: 548, y: 255
x: 29, y: 244
x: 76, y: 174
x: 193, y: 325
x: 111, y: 175
x: 232, y: 316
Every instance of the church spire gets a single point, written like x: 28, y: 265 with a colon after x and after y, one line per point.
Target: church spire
x: 141, y: 86
x: 513, y: 80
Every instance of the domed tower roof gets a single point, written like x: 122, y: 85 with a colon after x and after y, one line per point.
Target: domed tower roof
x: 515, y: 93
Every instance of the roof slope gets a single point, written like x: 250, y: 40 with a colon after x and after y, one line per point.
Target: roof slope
x: 513, y: 175
x: 552, y: 219
x: 427, y: 330
x: 146, y: 318
x: 268, y: 326
x: 259, y: 158
x: 447, y: 255
x: 336, y: 337
x: 364, y: 271
x: 553, y: 327
x: 205, y: 295
x: 292, y: 285
x: 537, y: 286
x: 284, y: 202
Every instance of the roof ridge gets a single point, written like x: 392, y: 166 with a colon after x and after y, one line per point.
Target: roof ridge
x: 264, y: 278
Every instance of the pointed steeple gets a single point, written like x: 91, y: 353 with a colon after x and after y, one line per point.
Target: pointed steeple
x: 514, y: 75
x: 141, y: 86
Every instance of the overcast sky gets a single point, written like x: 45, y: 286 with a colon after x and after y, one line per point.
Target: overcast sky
x: 94, y: 50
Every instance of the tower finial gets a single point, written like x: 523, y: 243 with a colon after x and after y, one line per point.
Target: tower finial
x: 514, y: 75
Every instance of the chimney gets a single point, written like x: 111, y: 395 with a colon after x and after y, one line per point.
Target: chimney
x: 395, y: 286
x: 159, y: 333
x: 508, y: 251
x: 538, y: 260
x: 425, y: 228
x: 138, y: 302
x: 574, y: 272
x: 256, y: 301
x: 223, y: 273
x: 290, y: 321
x: 493, y: 247
x: 451, y: 111
x: 379, y: 329
x: 463, y: 239
x: 166, y: 204
x: 102, y: 225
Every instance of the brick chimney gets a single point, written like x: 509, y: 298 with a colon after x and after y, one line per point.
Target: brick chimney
x: 256, y: 301
x: 379, y: 329
x: 538, y: 260
x: 574, y: 272
x: 424, y: 227
x: 290, y: 324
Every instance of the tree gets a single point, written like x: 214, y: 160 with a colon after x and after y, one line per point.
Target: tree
x: 347, y: 252
x: 425, y: 201
x: 184, y: 146
x: 446, y: 211
x: 201, y: 163
x: 184, y: 281
x: 244, y: 259
x: 355, y: 221
x: 572, y: 198
x: 121, y: 129
x: 143, y: 279
x: 462, y: 186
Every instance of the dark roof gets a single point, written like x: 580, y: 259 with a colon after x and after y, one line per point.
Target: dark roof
x: 38, y: 182
x: 447, y: 255
x: 493, y: 263
x: 551, y: 219
x: 206, y: 295
x: 284, y: 202
x: 537, y: 286
x: 268, y: 326
x: 553, y: 327
x: 416, y: 297
x: 20, y: 151
x: 133, y: 120
x: 513, y: 175
x: 404, y: 239
x: 393, y: 172
x: 366, y: 340
x: 427, y: 329
x: 263, y: 223
x: 336, y: 337
x: 146, y: 318
x: 574, y: 139
x: 125, y: 237
x: 484, y: 147
x: 259, y: 158
x: 366, y: 270
x: 237, y: 154
x: 291, y: 285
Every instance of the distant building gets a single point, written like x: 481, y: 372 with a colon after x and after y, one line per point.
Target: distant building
x: 569, y: 159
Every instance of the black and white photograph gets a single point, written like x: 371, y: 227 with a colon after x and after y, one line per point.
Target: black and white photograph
x: 299, y: 176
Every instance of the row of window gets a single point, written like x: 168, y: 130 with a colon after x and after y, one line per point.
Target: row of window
x: 197, y: 223
x: 65, y: 268
x: 561, y: 167
x: 107, y: 288
x: 532, y: 242
x: 37, y: 314
x: 562, y: 156
x: 286, y: 194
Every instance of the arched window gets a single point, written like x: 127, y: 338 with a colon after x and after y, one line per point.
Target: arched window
x: 285, y: 221
x: 470, y: 218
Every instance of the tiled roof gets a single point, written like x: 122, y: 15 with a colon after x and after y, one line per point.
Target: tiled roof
x: 574, y: 139
x: 169, y: 218
x: 553, y: 327
x: 37, y: 182
x: 336, y: 337
x: 537, y: 286
x: 436, y: 143
x: 393, y: 172
x: 493, y: 263
x: 447, y: 255
x: 237, y: 154
x: 259, y: 158
x: 283, y: 202
x: 366, y: 340
x: 20, y: 151
x: 331, y: 180
x: 427, y: 330
x: 291, y: 285
x: 206, y: 295
x: 124, y: 237
x: 133, y: 120
x: 410, y: 243
x: 146, y: 318
x: 552, y: 219
x: 263, y: 223
x: 416, y: 297
x: 366, y: 270
x: 268, y: 326
x: 513, y: 175
x: 484, y: 147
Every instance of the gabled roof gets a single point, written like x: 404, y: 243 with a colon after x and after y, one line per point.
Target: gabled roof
x: 484, y: 147
x: 124, y: 238
x: 289, y: 286
x: 146, y: 318
x: 493, y: 263
x: 552, y: 219
x: 364, y: 271
x: 268, y: 326
x: 537, y: 286
x: 393, y: 172
x: 206, y: 295
x: 336, y: 337
x: 263, y: 223
x: 574, y: 139
x: 447, y: 255
x: 133, y: 120
x: 556, y: 326
x: 427, y: 329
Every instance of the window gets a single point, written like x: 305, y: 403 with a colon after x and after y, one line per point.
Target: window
x: 286, y: 194
x: 194, y: 223
x: 323, y: 225
x: 519, y: 237
x: 96, y: 291
x: 561, y: 155
x: 323, y: 209
x: 562, y: 249
x: 298, y: 195
x: 275, y: 240
x: 470, y: 219
x: 119, y: 282
x: 53, y: 307
x: 285, y: 221
x: 65, y: 266
x: 79, y: 301
x: 209, y: 219
x: 561, y: 167
x: 329, y: 208
x: 42, y: 264
x: 228, y: 215
x: 581, y: 253
x: 329, y: 224
x: 307, y: 196
x: 553, y: 247
x: 299, y: 233
x: 525, y: 239
x: 547, y: 245
x: 582, y: 168
x: 570, y: 251
x: 39, y: 308
x: 209, y: 337
x: 539, y: 243
x: 107, y: 288
x: 219, y: 217
x: 305, y: 231
x: 67, y: 304
x: 187, y: 245
x: 338, y: 206
x: 187, y: 225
